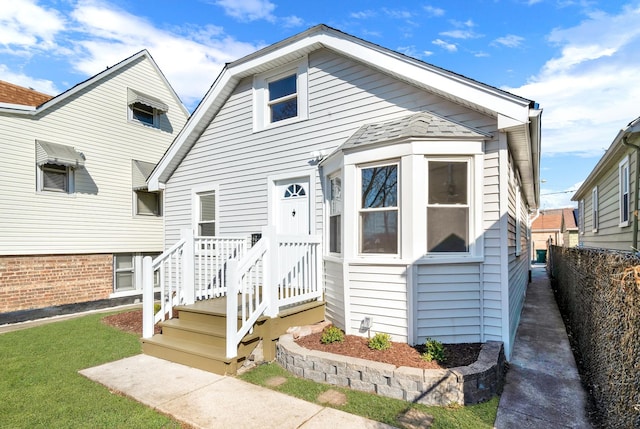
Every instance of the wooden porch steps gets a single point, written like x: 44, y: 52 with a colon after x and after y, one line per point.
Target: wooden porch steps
x: 197, y: 338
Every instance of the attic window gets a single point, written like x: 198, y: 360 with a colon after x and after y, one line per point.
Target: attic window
x: 280, y: 95
x: 145, y: 109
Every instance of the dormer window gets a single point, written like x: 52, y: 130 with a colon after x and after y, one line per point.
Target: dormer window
x: 145, y: 109
x: 280, y: 96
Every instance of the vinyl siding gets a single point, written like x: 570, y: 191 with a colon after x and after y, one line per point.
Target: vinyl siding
x: 610, y: 235
x: 518, y: 264
x: 98, y: 217
x: 343, y: 95
x: 449, y: 305
x: 379, y: 292
x: 334, y: 293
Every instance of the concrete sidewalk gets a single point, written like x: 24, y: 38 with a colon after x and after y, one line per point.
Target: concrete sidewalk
x: 206, y: 400
x: 543, y: 387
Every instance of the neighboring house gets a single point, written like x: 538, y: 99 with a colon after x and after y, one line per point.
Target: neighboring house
x: 607, y: 199
x: 76, y: 214
x: 554, y: 226
x: 417, y: 180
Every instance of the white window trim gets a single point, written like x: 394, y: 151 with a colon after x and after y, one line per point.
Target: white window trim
x: 137, y: 274
x: 594, y: 210
x: 623, y: 176
x: 40, y: 182
x: 133, y: 120
x: 360, y: 209
x: 329, y: 178
x: 581, y: 217
x: 196, y: 191
x: 261, y: 110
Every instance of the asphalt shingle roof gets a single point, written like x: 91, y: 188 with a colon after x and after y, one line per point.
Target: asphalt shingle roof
x: 14, y: 94
x: 420, y: 124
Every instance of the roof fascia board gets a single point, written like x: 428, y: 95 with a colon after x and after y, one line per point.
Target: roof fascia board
x: 22, y: 110
x: 608, y: 160
x: 188, y: 135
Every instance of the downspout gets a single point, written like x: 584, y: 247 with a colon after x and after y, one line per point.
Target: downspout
x: 636, y: 186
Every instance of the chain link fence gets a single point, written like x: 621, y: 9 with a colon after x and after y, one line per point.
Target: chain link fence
x: 598, y: 292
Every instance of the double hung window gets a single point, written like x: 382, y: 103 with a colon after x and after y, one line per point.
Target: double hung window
x: 379, y: 209
x: 448, y: 206
x: 623, y: 189
x: 207, y: 213
x: 335, y: 215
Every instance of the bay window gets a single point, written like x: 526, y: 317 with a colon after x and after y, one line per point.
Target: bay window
x: 379, y: 209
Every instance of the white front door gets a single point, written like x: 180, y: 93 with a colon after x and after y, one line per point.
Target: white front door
x: 292, y: 200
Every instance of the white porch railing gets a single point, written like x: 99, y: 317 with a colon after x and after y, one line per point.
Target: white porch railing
x: 278, y: 271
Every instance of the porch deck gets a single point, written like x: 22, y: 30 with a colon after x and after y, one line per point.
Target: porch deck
x: 197, y: 336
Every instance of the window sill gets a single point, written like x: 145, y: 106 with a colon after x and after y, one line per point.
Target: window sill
x: 274, y: 125
x: 623, y: 224
x: 462, y: 259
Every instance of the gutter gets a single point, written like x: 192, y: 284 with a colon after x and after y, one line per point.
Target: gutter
x: 636, y: 186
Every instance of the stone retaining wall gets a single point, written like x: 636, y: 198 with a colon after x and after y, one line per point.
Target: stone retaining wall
x: 471, y: 384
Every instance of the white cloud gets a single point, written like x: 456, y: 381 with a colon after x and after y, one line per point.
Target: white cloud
x: 248, y: 10
x: 24, y: 24
x: 398, y: 14
x: 434, y: 11
x: 461, y: 34
x: 510, y: 41
x: 292, y: 21
x: 592, y: 88
x: 554, y: 198
x: 41, y: 85
x: 451, y: 47
x: 363, y: 14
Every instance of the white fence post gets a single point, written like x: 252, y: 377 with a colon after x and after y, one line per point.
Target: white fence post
x: 233, y: 281
x: 188, y: 267
x: 272, y: 261
x: 148, y: 316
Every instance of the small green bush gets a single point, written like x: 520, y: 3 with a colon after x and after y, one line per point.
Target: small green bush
x: 156, y: 307
x: 434, y: 351
x: 332, y: 334
x: 380, y: 341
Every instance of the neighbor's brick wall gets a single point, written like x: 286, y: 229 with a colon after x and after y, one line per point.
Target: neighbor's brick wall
x: 38, y: 281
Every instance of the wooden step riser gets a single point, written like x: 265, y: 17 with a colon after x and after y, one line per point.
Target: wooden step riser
x: 189, y: 359
x: 210, y: 319
x: 204, y: 338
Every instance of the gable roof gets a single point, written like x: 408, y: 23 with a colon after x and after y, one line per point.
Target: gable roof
x: 554, y: 220
x: 416, y: 125
x: 517, y: 116
x: 626, y: 137
x: 30, y: 110
x: 15, y: 94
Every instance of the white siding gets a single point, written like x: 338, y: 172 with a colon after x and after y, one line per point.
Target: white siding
x: 343, y: 95
x: 518, y: 265
x: 610, y: 235
x: 379, y: 292
x: 98, y: 217
x: 334, y: 293
x: 449, y: 306
x: 491, y: 269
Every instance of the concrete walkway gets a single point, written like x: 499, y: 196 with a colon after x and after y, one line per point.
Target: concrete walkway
x: 206, y: 400
x: 542, y: 388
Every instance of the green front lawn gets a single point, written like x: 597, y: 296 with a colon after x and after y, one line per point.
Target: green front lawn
x: 40, y: 386
x: 377, y: 407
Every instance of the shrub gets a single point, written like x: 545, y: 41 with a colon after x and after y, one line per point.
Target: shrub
x: 332, y: 334
x: 156, y: 307
x: 380, y: 341
x: 434, y: 351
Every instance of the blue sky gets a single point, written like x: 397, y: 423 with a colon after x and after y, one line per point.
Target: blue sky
x: 577, y: 58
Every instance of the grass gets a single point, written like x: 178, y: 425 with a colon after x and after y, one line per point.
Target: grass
x: 376, y: 407
x: 40, y: 386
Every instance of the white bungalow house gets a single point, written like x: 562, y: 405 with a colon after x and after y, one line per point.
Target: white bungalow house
x: 76, y: 215
x: 400, y: 191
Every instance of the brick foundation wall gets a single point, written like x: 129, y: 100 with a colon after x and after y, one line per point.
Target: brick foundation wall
x: 38, y: 281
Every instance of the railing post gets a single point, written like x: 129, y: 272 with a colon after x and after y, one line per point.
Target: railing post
x: 188, y: 267
x: 232, y: 308
x: 319, y: 271
x: 148, y: 317
x: 271, y: 263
